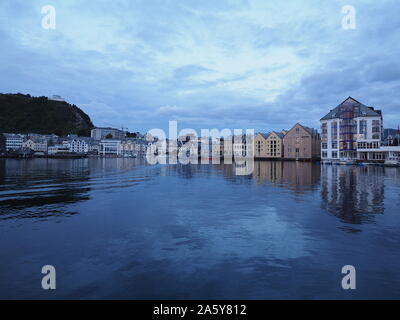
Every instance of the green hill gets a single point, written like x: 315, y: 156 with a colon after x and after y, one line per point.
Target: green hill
x: 25, y: 114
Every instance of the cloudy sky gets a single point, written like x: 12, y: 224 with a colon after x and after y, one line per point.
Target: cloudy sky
x: 258, y: 64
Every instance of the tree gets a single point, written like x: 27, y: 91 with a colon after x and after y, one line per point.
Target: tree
x: 109, y: 136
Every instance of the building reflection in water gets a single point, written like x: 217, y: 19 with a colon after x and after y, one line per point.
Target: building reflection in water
x: 296, y: 176
x: 41, y: 188
x: 353, y: 193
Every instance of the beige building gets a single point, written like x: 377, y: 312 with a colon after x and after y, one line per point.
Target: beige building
x: 36, y: 144
x: 269, y: 146
x: 302, y: 143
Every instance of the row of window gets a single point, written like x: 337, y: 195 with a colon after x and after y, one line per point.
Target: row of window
x: 362, y: 127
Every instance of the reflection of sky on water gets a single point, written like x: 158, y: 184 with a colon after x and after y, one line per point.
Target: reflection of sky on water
x: 118, y: 228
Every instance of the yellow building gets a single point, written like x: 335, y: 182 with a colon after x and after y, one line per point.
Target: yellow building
x: 268, y: 146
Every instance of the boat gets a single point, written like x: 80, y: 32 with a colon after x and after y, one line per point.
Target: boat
x: 347, y: 162
x: 392, y: 163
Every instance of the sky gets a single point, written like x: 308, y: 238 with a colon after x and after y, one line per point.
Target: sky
x: 256, y: 64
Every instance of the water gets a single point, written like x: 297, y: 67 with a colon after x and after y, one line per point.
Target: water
x: 118, y: 228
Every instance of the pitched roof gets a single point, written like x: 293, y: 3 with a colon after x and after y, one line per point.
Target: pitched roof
x: 362, y: 110
x: 264, y: 135
x: 311, y: 131
x: 279, y: 134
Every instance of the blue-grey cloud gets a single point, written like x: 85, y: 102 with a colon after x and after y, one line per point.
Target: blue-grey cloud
x: 227, y: 63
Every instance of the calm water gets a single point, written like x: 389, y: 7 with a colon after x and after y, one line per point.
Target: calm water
x: 118, y: 228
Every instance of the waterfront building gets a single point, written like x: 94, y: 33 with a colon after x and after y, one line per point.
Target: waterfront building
x: 352, y: 131
x: 79, y: 145
x: 391, y: 137
x: 103, y: 133
x: 260, y: 145
x: 227, y: 148
x: 94, y: 147
x: 28, y: 144
x: 36, y: 143
x: 110, y: 147
x: 58, y: 149
x: 268, y: 146
x: 302, y: 143
x: 134, y: 147
x: 13, y: 141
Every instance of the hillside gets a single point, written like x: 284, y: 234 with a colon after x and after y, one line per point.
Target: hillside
x: 25, y: 114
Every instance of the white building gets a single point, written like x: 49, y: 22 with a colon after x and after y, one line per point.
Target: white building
x: 13, y: 141
x: 102, y: 133
x: 58, y: 148
x: 36, y: 143
x: 56, y: 97
x: 78, y: 146
x: 350, y: 131
x: 94, y: 147
x: 110, y: 147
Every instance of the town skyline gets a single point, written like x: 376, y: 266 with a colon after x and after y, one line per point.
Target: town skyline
x: 240, y: 64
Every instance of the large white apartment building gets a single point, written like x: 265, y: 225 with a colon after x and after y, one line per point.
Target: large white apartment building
x: 103, y: 133
x: 352, y: 131
x: 110, y: 147
x: 79, y: 146
x: 13, y: 141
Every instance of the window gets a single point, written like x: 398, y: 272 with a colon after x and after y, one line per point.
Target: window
x: 334, y: 145
x: 334, y: 154
x: 324, y: 128
x: 324, y: 154
x: 324, y: 145
x: 363, y: 127
x: 334, y: 130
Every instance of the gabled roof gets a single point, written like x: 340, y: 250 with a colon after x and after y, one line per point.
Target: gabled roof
x: 267, y: 135
x: 264, y: 135
x: 311, y: 131
x: 279, y: 134
x: 362, y: 110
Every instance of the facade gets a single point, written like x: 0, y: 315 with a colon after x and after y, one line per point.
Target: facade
x: 94, y: 147
x: 13, y: 141
x: 227, y: 148
x: 391, y: 137
x: 110, y: 147
x: 239, y: 149
x: 58, y: 149
x: 268, y: 146
x: 260, y: 145
x: 351, y: 131
x: 302, y: 143
x: 79, y: 146
x: 134, y: 147
x: 102, y: 133
x: 36, y: 143
x: 29, y: 144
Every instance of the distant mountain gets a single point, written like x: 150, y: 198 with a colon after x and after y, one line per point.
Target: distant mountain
x: 21, y: 113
